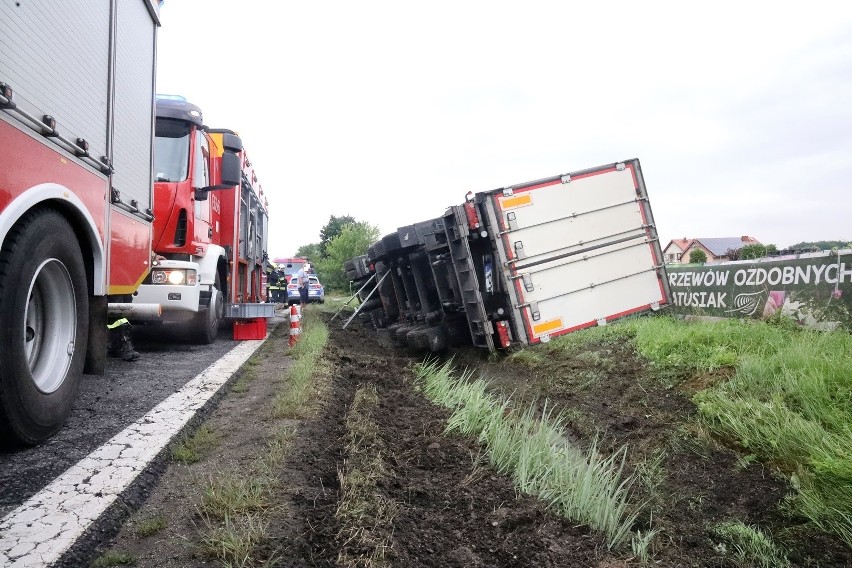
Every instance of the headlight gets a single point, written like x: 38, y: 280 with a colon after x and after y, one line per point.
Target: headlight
x: 175, y: 277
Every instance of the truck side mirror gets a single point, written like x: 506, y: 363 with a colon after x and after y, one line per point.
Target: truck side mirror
x: 232, y: 172
x: 231, y: 169
x: 232, y: 142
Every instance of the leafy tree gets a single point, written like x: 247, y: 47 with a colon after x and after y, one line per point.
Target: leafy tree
x: 749, y: 252
x: 820, y: 245
x: 697, y: 256
x: 311, y: 251
x: 733, y: 254
x: 353, y: 240
x: 332, y: 229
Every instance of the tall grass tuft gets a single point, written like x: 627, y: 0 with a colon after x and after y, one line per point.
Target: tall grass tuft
x: 586, y: 487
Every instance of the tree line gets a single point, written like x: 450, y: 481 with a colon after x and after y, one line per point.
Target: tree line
x: 342, y: 238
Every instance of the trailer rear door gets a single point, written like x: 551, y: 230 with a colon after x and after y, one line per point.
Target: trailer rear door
x: 578, y: 250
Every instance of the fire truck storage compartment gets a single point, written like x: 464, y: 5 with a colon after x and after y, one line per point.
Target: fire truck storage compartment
x: 248, y: 329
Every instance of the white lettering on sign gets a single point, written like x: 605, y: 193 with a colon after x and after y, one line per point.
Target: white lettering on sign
x: 215, y: 204
x: 700, y: 299
x: 777, y: 275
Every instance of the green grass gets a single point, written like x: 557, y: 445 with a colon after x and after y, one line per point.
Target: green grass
x: 789, y: 401
x: 151, y: 526
x: 641, y: 545
x: 584, y: 486
x: 230, y: 494
x: 114, y: 559
x: 748, y: 546
x: 235, y: 539
x: 193, y: 448
x: 293, y: 402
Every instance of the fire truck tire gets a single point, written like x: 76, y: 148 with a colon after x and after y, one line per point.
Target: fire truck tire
x: 206, y: 322
x: 349, y: 265
x: 44, y: 318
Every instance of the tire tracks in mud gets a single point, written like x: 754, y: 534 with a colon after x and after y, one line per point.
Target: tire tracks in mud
x: 452, y: 508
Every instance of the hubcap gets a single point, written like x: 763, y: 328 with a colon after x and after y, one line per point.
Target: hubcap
x: 51, y: 325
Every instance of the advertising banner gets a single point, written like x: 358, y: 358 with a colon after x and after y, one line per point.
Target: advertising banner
x: 815, y: 289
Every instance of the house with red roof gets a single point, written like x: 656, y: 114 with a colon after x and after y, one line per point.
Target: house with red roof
x: 716, y: 248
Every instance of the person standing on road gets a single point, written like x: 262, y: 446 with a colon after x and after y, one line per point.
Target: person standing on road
x: 304, y: 280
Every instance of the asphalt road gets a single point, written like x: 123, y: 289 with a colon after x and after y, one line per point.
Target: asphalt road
x: 105, y: 406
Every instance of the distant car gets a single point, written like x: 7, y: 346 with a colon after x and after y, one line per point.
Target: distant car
x: 316, y: 291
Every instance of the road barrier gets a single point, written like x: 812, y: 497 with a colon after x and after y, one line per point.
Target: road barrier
x: 295, y: 324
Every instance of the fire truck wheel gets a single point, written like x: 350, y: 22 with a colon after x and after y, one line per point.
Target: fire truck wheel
x: 206, y: 321
x: 44, y: 316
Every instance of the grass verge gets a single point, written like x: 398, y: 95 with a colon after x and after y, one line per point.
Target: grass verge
x: 293, y: 402
x: 586, y: 487
x: 235, y: 507
x: 193, y: 448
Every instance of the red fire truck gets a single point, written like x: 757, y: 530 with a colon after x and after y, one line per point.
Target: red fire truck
x: 210, y: 227
x: 76, y: 115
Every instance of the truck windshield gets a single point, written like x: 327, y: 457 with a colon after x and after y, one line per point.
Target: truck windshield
x: 171, y: 150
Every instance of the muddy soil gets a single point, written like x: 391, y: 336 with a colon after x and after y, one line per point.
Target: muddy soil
x: 451, y: 508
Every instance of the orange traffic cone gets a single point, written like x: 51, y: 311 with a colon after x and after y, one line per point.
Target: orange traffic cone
x: 295, y: 324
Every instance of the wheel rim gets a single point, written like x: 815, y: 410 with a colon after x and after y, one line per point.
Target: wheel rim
x: 217, y: 308
x: 51, y: 325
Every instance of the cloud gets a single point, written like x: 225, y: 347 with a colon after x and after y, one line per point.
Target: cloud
x: 392, y: 111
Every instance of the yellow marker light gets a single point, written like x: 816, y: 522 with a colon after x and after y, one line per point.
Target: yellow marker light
x: 548, y: 326
x: 516, y: 201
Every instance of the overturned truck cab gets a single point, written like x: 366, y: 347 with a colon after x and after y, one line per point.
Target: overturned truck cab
x: 518, y: 265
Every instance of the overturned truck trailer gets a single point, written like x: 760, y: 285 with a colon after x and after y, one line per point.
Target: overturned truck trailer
x: 517, y: 265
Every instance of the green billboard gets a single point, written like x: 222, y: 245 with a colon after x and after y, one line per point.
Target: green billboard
x: 814, y: 289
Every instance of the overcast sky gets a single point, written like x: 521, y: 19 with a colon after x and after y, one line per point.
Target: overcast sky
x: 740, y: 112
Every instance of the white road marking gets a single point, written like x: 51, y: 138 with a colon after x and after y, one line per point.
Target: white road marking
x: 41, y: 530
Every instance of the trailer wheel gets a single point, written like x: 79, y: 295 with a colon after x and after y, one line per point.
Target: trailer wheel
x: 432, y: 338
x: 206, y: 321
x: 44, y: 315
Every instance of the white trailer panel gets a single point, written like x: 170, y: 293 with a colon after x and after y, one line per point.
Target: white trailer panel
x: 578, y: 250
